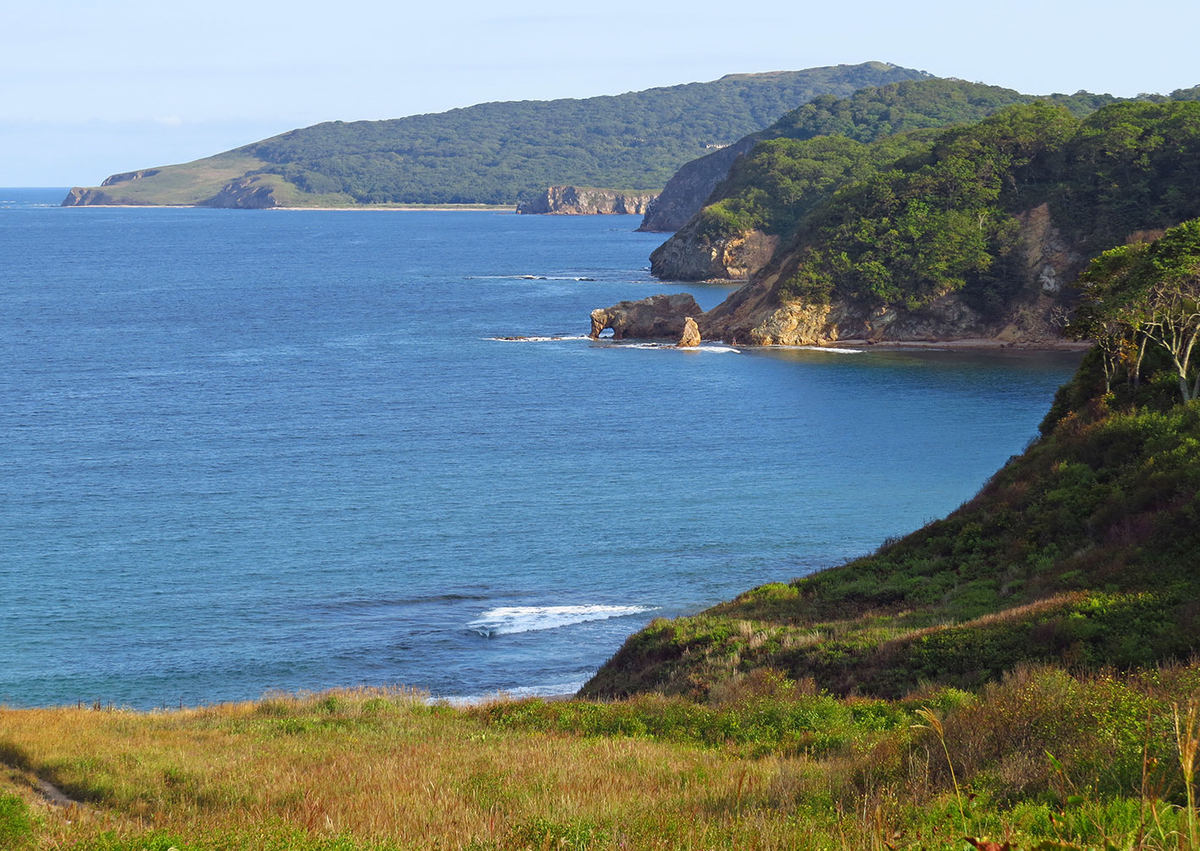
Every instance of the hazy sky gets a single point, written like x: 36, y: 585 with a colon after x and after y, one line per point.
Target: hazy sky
x: 89, y: 88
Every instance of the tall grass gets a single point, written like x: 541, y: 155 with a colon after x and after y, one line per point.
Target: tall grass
x: 384, y: 770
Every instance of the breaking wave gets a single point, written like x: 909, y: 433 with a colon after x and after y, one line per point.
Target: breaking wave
x: 508, y: 620
x: 833, y: 350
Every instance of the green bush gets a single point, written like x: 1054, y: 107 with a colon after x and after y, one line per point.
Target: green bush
x: 16, y: 825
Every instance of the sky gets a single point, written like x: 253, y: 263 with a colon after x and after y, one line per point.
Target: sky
x: 89, y: 88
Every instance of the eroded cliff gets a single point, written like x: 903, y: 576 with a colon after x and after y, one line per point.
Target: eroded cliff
x: 764, y: 313
x: 586, y: 201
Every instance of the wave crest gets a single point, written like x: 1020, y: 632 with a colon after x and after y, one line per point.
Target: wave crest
x: 508, y: 620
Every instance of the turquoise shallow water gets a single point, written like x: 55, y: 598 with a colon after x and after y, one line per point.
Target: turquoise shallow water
x: 281, y: 450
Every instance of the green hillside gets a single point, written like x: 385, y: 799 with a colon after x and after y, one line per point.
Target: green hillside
x: 787, y: 173
x: 735, y: 175
x: 1083, y: 551
x: 800, y: 161
x: 494, y: 153
x: 947, y: 219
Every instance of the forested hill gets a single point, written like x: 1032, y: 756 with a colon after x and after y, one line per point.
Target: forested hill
x: 726, y: 208
x: 494, y: 153
x: 974, y: 233
x: 865, y: 116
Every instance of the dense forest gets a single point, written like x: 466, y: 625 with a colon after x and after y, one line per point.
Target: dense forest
x: 803, y: 159
x: 946, y: 219
x: 787, y: 173
x: 500, y: 153
x: 865, y: 116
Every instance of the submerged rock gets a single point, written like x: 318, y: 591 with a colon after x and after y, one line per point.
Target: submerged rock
x: 659, y: 316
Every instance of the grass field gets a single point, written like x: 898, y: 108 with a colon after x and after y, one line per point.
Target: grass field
x: 766, y: 763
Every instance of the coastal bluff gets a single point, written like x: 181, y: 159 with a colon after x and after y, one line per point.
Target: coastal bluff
x: 763, y: 312
x: 586, y: 201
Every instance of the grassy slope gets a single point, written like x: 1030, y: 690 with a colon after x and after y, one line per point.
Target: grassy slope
x: 1085, y: 550
x: 187, y: 184
x: 496, y: 153
x: 769, y: 766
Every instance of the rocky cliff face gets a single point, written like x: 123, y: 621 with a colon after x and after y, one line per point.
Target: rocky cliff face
x: 687, y: 256
x: 759, y: 314
x: 82, y: 196
x: 245, y: 193
x: 686, y: 191
x: 580, y: 201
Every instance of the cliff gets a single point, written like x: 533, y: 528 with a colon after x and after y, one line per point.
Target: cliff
x: 692, y: 255
x: 763, y: 312
x: 584, y: 201
x: 688, y: 189
x: 254, y: 192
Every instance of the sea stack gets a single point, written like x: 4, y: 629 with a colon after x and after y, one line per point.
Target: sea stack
x: 691, y: 334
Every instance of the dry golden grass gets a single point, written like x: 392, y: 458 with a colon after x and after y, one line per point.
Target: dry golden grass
x: 386, y: 768
x: 383, y: 770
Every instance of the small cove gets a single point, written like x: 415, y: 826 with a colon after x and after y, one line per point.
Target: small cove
x: 250, y: 451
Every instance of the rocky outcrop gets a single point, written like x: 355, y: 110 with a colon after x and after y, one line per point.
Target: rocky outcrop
x: 793, y: 323
x: 88, y: 196
x: 582, y: 201
x: 688, y: 189
x: 656, y: 317
x: 690, y: 256
x: 82, y: 196
x: 690, y: 338
x: 759, y: 314
x: 252, y: 192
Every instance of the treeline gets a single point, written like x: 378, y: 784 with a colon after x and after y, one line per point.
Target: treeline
x: 500, y: 153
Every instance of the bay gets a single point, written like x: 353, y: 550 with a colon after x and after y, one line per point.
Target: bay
x: 248, y: 451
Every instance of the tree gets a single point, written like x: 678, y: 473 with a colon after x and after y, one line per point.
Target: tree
x: 1111, y: 311
x: 1173, y: 320
x: 1142, y: 293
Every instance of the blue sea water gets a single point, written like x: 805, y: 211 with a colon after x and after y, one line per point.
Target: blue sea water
x: 246, y: 451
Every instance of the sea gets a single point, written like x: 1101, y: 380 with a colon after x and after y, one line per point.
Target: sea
x: 244, y: 452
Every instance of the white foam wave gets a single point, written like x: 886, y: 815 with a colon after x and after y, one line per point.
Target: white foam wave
x: 833, y: 350
x: 554, y: 690
x: 508, y: 620
x: 710, y: 348
x: 527, y: 278
x: 524, y: 339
